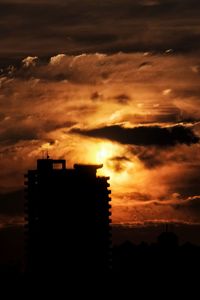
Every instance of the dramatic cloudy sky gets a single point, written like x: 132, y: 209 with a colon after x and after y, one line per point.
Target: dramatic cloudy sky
x: 114, y: 82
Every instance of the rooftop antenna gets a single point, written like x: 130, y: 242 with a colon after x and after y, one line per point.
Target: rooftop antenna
x: 47, y: 155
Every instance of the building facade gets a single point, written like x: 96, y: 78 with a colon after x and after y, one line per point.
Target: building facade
x: 68, y: 219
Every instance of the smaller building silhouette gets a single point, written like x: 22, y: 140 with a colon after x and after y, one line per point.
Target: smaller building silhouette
x: 68, y: 218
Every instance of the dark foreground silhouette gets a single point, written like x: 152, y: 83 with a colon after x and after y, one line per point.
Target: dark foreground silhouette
x: 68, y: 231
x: 140, y: 261
x: 68, y: 223
x: 127, y: 258
x: 166, y: 255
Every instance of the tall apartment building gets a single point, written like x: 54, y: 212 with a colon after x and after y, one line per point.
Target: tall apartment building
x: 68, y: 219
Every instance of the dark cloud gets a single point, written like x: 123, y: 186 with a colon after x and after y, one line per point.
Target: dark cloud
x: 122, y: 98
x: 117, y: 163
x: 13, y: 135
x: 186, y: 182
x: 94, y: 38
x: 151, y: 157
x: 2, y: 116
x: 136, y: 196
x: 189, y: 206
x: 144, y: 135
x: 96, y: 96
x: 187, y: 93
x: 51, y: 125
x: 49, y: 27
x: 193, y: 203
x: 161, y: 114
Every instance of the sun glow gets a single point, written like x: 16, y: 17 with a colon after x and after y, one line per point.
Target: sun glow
x: 114, y: 166
x: 104, y: 152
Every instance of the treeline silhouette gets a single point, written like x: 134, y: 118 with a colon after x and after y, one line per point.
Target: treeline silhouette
x: 164, y: 255
x: 68, y: 230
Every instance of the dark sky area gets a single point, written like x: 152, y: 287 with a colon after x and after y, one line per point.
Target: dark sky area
x: 46, y: 28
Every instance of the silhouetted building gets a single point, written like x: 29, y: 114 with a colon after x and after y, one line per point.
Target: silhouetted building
x: 68, y: 211
x: 168, y: 240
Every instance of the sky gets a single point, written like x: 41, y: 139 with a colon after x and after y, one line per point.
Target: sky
x: 114, y: 82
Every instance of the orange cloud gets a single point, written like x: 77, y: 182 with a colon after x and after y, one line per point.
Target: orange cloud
x: 44, y: 102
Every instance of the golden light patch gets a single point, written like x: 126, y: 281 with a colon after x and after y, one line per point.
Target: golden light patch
x: 104, y: 152
x: 111, y: 156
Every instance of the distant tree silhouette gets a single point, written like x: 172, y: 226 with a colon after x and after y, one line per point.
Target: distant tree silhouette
x: 164, y: 255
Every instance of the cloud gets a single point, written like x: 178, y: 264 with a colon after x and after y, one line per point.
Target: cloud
x: 94, y: 38
x: 150, y: 2
x: 145, y: 65
x: 191, y: 202
x: 136, y: 197
x: 146, y: 210
x: 96, y: 96
x: 122, y: 98
x: 43, y: 28
x: 118, y: 163
x: 30, y: 61
x: 185, y: 181
x: 154, y: 158
x: 166, y: 73
x: 157, y: 114
x: 28, y: 131
x: 58, y: 59
x: 13, y: 135
x: 144, y: 136
x: 151, y: 157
